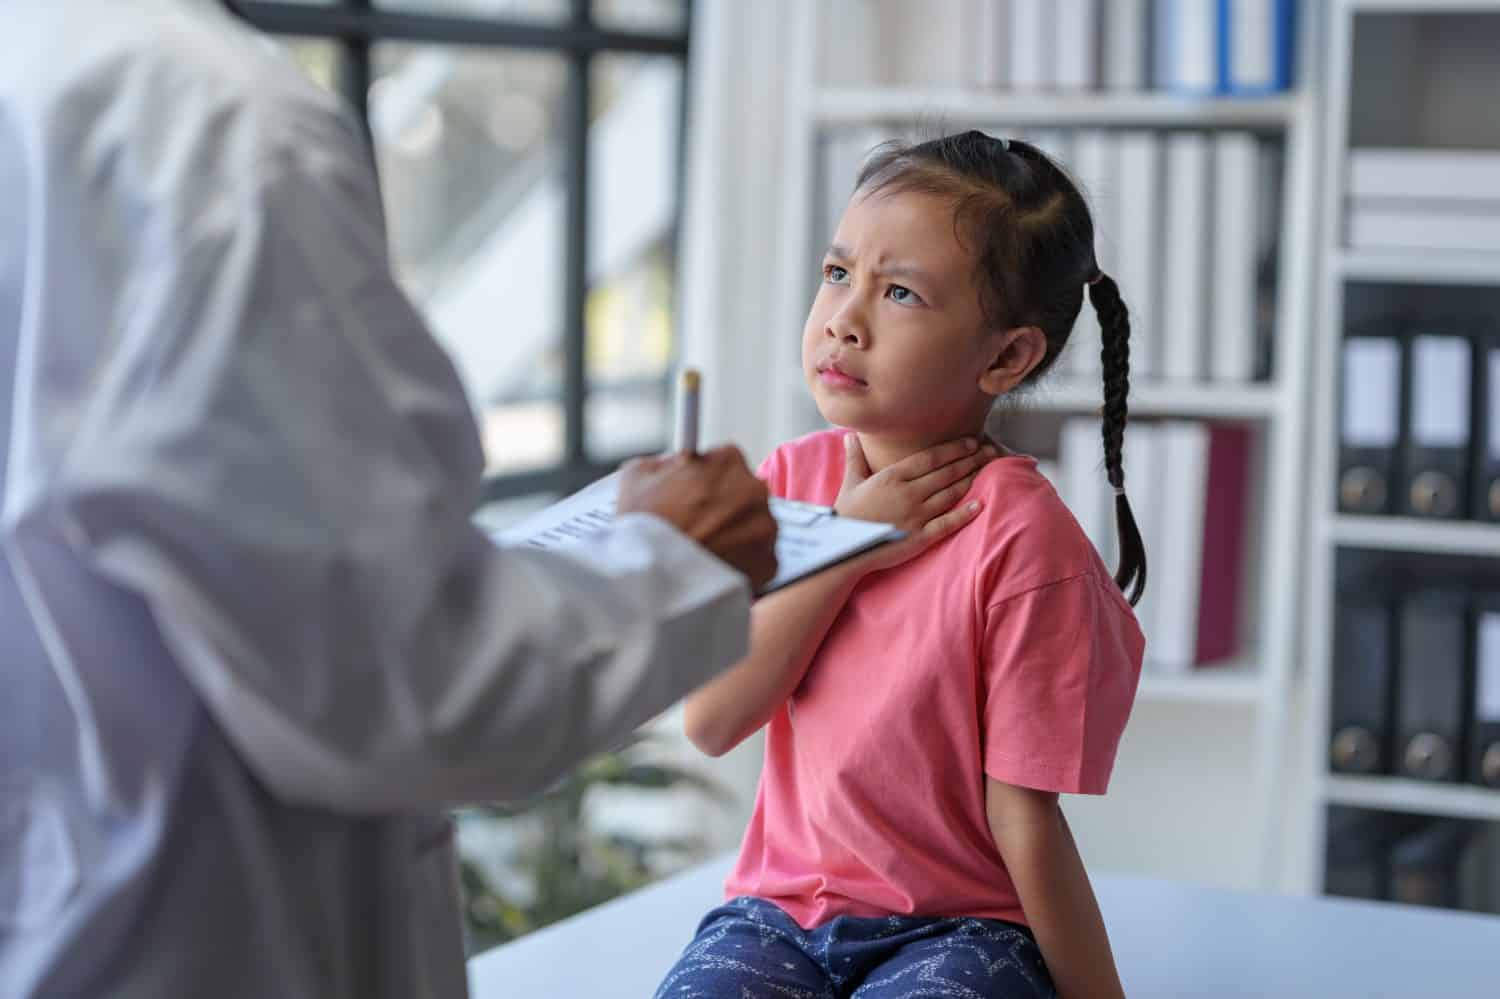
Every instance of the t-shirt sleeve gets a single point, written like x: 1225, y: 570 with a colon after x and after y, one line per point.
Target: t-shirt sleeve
x: 1059, y: 666
x: 772, y: 472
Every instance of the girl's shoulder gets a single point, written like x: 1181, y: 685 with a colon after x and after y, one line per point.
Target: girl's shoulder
x: 1030, y: 536
x: 807, y: 467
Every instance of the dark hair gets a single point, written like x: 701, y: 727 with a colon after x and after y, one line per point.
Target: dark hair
x: 1033, y: 242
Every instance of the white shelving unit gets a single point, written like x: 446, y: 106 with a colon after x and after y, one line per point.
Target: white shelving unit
x: 1241, y: 682
x: 1427, y: 267
x: 1259, y: 684
x: 1331, y: 531
x: 854, y: 106
x: 1403, y: 534
x: 1398, y: 794
x: 1207, y: 400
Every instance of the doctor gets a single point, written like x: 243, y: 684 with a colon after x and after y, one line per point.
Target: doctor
x: 251, y: 645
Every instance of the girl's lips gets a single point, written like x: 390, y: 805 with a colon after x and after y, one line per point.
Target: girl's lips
x: 834, y: 378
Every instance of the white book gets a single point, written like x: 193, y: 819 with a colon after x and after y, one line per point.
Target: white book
x: 1031, y: 45
x: 1187, y: 46
x: 1185, y: 281
x: 1232, y: 305
x: 1445, y: 174
x: 1083, y: 486
x: 1056, y: 143
x: 1258, y: 34
x: 809, y: 538
x: 918, y: 44
x: 1144, y: 489
x: 848, y: 55
x: 987, y: 34
x: 1125, y: 35
x: 1390, y: 227
x: 1094, y: 168
x: 1177, y: 564
x: 1139, y: 247
x: 1077, y: 44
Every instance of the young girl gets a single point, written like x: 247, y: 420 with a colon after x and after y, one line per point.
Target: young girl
x: 906, y: 839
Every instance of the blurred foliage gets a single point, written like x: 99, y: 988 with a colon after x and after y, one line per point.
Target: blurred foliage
x: 571, y: 864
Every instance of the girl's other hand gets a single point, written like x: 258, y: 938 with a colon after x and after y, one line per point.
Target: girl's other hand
x: 919, y: 494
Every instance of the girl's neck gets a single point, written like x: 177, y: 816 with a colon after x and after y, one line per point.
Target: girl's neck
x: 884, y: 450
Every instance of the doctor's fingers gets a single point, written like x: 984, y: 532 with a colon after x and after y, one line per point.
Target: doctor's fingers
x: 726, y: 459
x: 736, y: 525
x: 754, y: 554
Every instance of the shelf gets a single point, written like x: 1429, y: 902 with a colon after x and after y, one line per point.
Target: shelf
x: 860, y: 105
x: 1208, y: 399
x: 1407, y: 534
x: 1422, y: 6
x: 1398, y: 794
x: 1419, y: 266
x: 1233, y: 683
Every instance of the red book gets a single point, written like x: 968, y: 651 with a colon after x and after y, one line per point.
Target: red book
x: 1225, y: 516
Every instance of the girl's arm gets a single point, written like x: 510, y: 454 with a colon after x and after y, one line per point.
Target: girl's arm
x: 785, y: 630
x: 1038, y: 849
x: 917, y: 494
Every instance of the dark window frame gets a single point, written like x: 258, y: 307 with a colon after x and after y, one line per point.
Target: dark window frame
x: 357, y: 24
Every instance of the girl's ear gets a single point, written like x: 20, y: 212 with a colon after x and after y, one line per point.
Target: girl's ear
x: 1016, y: 352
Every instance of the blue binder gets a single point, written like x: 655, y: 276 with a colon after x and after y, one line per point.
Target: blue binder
x: 1274, y: 52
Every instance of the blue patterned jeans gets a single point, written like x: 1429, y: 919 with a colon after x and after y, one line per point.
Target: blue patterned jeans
x: 750, y: 949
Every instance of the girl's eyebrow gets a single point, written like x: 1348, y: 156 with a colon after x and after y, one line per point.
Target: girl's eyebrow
x: 908, y: 271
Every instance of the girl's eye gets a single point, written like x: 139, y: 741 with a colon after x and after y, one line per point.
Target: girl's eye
x: 834, y: 274
x: 904, y: 296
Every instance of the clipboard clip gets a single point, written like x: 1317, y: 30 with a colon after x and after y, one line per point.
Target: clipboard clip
x: 796, y: 513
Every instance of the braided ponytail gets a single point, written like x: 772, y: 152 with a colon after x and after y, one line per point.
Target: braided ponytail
x: 1114, y: 322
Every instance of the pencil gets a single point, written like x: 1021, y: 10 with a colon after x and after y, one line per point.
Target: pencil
x: 687, y: 437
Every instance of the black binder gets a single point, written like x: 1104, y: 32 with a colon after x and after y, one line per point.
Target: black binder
x: 1484, y: 731
x: 1485, y: 471
x: 1479, y: 871
x: 1424, y: 863
x: 1357, y: 855
x: 1432, y: 685
x: 1363, y: 684
x: 1369, y: 418
x: 1438, y: 420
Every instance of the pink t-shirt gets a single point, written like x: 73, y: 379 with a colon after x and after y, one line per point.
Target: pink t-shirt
x: 1005, y: 650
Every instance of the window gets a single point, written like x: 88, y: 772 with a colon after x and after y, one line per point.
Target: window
x: 530, y: 158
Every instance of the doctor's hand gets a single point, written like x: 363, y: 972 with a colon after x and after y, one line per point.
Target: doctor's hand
x: 920, y: 494
x: 714, y: 499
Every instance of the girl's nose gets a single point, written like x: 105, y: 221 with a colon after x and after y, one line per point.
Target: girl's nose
x: 846, y: 330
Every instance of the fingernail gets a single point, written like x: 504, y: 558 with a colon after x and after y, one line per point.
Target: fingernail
x: 972, y: 508
x: 848, y: 442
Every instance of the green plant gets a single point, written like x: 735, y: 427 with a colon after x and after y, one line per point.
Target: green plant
x: 568, y: 863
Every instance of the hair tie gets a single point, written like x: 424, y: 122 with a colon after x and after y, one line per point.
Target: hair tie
x: 1098, y: 276
x: 1119, y: 490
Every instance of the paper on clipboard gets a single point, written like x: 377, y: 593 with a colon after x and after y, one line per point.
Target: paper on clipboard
x: 809, y: 538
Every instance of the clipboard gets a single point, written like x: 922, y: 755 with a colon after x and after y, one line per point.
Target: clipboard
x: 809, y: 538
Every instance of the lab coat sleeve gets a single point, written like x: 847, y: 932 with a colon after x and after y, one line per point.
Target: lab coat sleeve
x: 278, y: 457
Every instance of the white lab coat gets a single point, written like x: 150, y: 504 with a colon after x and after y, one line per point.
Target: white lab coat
x: 252, y: 642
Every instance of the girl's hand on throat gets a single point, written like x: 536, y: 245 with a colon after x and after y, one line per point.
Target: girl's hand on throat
x: 920, y: 494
